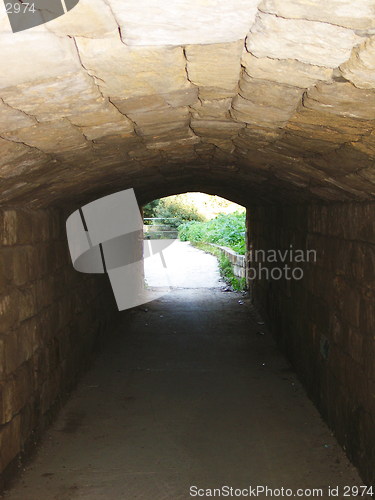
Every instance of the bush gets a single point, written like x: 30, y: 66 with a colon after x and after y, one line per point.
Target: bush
x: 225, y: 230
x: 177, y: 211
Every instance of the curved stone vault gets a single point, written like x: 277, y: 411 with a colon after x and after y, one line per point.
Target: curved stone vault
x: 270, y: 100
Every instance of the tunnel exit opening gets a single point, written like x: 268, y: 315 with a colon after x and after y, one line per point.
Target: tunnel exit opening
x: 206, y: 237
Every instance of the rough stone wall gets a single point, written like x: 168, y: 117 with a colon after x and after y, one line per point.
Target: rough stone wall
x: 50, y: 318
x: 325, y: 322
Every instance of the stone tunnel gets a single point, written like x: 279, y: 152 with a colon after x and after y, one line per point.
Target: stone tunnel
x: 268, y: 103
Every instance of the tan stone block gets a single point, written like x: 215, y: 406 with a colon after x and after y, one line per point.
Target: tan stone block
x: 342, y: 99
x: 175, y: 143
x: 36, y: 56
x: 360, y: 15
x: 122, y: 71
x: 104, y: 112
x: 12, y: 119
x: 252, y: 113
x: 20, y: 345
x: 120, y: 129
x: 26, y: 302
x: 212, y: 109
x: 50, y: 137
x: 90, y: 18
x: 163, y: 116
x: 302, y: 145
x: 10, y: 441
x: 323, y: 125
x: 265, y: 93
x: 15, y: 391
x: 222, y: 144
x: 310, y: 42
x: 9, y: 311
x: 17, y: 159
x: 215, y: 67
x: 360, y: 68
x: 159, y: 23
x: 49, y: 99
x: 216, y: 128
x: 286, y: 71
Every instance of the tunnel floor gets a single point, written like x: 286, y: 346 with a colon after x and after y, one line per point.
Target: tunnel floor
x: 190, y: 391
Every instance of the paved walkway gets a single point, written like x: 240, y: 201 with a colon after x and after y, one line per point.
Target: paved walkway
x: 185, y: 267
x: 187, y: 393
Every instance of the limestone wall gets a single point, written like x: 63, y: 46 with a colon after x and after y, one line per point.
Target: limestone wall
x: 325, y: 322
x: 50, y: 318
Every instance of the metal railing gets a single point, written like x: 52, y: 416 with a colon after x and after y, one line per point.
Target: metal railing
x: 154, y: 231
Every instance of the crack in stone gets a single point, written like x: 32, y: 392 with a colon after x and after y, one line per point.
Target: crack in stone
x: 32, y: 117
x: 92, y: 76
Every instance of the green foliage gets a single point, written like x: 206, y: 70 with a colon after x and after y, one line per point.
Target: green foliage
x: 225, y: 230
x: 149, y: 210
x: 177, y: 210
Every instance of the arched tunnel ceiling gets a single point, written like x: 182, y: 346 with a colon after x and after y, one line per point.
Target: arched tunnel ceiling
x: 253, y: 100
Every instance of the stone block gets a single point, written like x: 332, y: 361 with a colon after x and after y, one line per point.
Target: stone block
x: 15, y: 391
x: 196, y: 22
x: 342, y: 98
x: 10, y: 441
x: 9, y: 311
x: 359, y: 16
x: 53, y: 98
x: 124, y: 72
x: 12, y: 119
x: 214, y: 68
x: 20, y: 345
x: 212, y: 109
x: 255, y: 114
x: 285, y: 71
x: 221, y: 129
x: 50, y: 137
x: 309, y: 42
x: 89, y: 18
x: 119, y: 129
x: 56, y: 56
x: 360, y: 68
x: 18, y: 159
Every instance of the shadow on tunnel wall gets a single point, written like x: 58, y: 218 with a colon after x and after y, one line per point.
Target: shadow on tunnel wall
x: 325, y: 322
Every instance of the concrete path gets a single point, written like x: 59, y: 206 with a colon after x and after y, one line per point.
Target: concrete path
x: 185, y: 267
x: 188, y: 393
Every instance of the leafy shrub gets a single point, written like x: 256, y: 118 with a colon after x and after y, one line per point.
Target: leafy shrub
x: 173, y: 212
x: 225, y: 230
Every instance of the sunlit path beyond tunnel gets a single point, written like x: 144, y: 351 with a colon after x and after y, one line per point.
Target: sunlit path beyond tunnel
x: 190, y: 392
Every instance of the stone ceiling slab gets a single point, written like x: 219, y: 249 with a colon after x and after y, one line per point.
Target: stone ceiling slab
x: 286, y: 71
x: 34, y: 56
x: 310, y: 42
x: 50, y: 137
x: 74, y: 94
x: 360, y: 68
x: 155, y: 22
x: 124, y: 72
x: 355, y: 15
x: 214, y: 109
x: 215, y: 69
x: 128, y: 103
x: 342, y: 98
